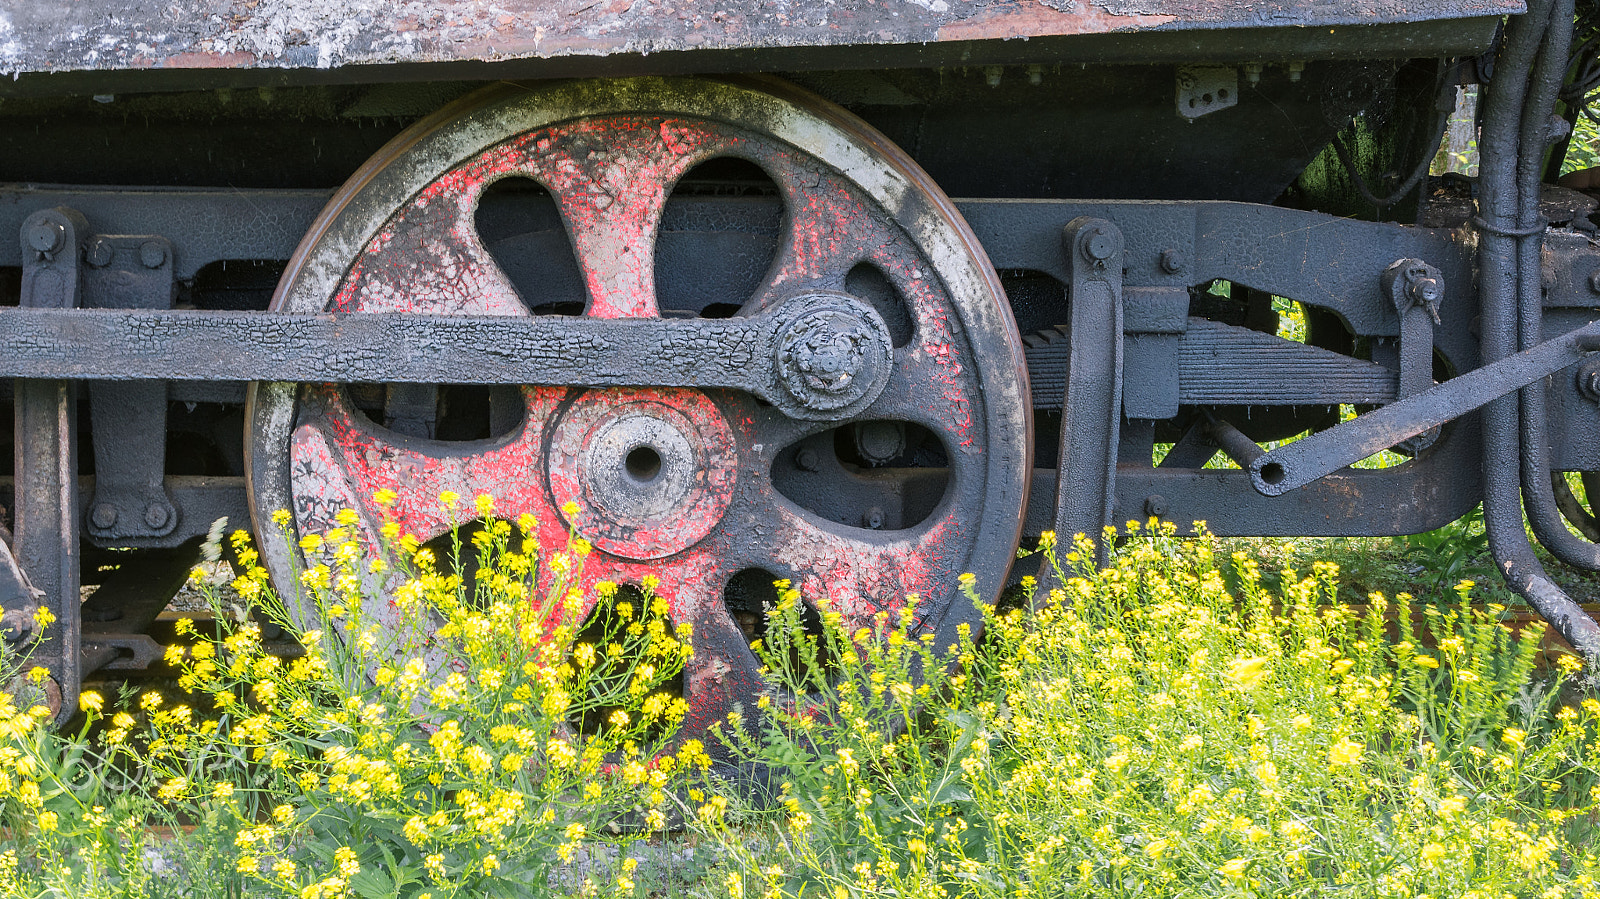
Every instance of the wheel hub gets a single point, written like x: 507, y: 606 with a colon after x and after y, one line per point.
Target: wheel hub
x: 833, y: 355
x: 648, y: 474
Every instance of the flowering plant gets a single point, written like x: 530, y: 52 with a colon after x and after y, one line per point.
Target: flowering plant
x: 1147, y: 731
x: 464, y: 744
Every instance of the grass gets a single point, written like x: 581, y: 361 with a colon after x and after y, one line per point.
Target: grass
x: 1202, y: 717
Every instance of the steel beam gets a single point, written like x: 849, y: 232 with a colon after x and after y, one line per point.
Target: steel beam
x: 47, y: 464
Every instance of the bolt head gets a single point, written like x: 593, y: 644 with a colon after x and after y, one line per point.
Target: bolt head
x: 16, y: 625
x: 156, y: 515
x: 806, y: 459
x: 1589, y: 385
x: 152, y: 254
x: 100, y: 252
x: 104, y: 515
x: 833, y: 354
x: 46, y: 236
x: 1594, y: 281
x: 1588, y: 380
x: 1173, y: 261
x: 1155, y: 505
x: 1426, y: 290
x: 1099, y: 245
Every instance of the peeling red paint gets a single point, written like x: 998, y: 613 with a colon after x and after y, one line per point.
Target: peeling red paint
x: 1031, y: 18
x: 235, y: 60
x: 610, y: 178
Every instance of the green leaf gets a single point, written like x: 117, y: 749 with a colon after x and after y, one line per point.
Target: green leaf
x: 370, y: 883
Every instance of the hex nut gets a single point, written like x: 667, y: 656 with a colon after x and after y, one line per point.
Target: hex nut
x: 99, y: 253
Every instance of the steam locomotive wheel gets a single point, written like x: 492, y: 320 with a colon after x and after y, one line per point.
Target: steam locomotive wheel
x: 697, y: 487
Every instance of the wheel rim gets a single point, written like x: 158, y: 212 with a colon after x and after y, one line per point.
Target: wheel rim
x: 400, y: 237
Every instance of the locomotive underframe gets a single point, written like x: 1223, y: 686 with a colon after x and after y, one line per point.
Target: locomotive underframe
x: 117, y: 344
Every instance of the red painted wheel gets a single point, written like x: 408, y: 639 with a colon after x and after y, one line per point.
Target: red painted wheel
x: 707, y: 489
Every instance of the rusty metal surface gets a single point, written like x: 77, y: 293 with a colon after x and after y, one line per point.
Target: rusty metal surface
x: 321, y: 34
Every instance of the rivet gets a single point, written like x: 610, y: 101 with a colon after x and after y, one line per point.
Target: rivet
x: 104, y: 515
x: 152, y: 254
x: 155, y: 515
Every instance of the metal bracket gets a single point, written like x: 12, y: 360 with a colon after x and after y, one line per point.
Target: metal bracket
x: 47, y: 459
x: 1091, y: 414
x: 1154, y: 322
x: 1206, y: 89
x: 1416, y: 289
x: 130, y: 499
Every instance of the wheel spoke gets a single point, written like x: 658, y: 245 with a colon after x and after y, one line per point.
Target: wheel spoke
x: 337, y: 461
x: 829, y: 229
x: 610, y: 179
x: 773, y: 430
x: 921, y: 391
x: 428, y: 259
x: 859, y: 572
x: 722, y: 673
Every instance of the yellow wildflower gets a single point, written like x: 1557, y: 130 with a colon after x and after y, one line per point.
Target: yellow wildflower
x: 1248, y: 673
